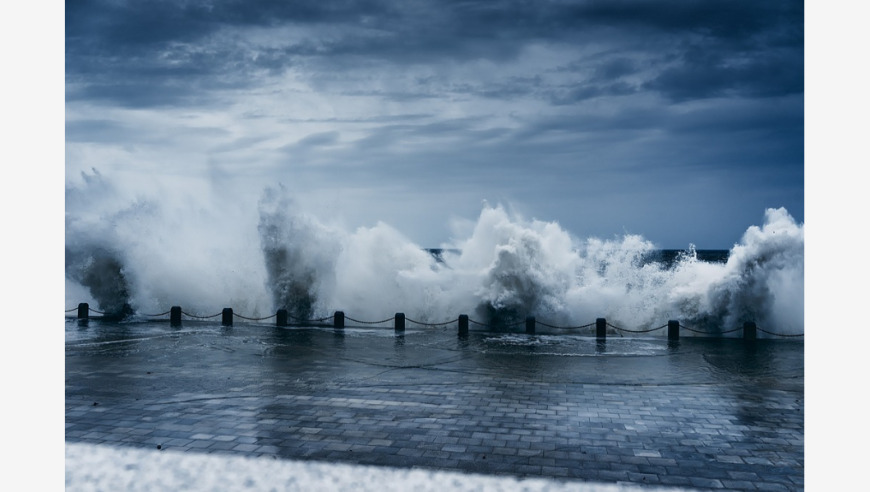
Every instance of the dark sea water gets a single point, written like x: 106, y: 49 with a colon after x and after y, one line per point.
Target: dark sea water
x: 666, y: 257
x: 669, y: 257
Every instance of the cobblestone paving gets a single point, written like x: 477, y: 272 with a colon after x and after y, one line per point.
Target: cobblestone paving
x: 701, y: 414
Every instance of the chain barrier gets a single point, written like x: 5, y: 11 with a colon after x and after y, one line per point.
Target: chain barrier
x: 702, y: 332
x: 433, y: 324
x: 636, y: 331
x: 445, y: 323
x: 369, y: 322
x: 254, y: 319
x: 581, y: 327
x: 201, y: 317
x: 780, y: 334
x: 617, y: 329
x: 303, y: 321
x: 157, y: 315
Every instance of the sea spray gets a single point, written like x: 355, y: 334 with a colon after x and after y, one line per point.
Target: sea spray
x: 518, y: 268
x: 93, y: 257
x: 176, y: 245
x: 299, y: 255
x: 153, y: 253
x: 762, y: 281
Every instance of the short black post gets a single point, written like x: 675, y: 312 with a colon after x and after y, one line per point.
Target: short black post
x: 281, y: 317
x: 673, y: 330
x: 530, y: 325
x: 175, y: 316
x: 750, y: 331
x: 227, y: 317
x: 83, y: 310
x: 601, y: 328
x: 400, y: 322
x: 338, y: 319
x: 463, y: 324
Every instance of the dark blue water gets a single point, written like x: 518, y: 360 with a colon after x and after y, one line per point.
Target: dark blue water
x: 666, y: 257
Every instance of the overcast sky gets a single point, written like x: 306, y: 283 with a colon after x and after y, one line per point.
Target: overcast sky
x: 677, y: 120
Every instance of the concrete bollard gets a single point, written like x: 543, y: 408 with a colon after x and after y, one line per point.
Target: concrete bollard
x: 673, y: 330
x: 175, y: 316
x: 281, y: 317
x: 338, y: 320
x: 530, y: 325
x: 227, y: 317
x: 400, y: 322
x: 83, y: 310
x: 463, y: 324
x: 750, y: 331
x: 601, y: 328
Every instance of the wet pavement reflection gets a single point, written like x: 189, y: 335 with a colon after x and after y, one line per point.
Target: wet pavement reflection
x: 700, y: 413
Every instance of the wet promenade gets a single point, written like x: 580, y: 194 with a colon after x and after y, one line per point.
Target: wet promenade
x: 701, y: 414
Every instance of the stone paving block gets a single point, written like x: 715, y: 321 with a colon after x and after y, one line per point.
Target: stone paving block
x: 708, y: 483
x: 454, y: 448
x: 676, y: 481
x: 771, y: 486
x: 247, y: 448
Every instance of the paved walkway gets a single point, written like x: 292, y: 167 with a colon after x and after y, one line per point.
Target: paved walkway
x: 702, y: 414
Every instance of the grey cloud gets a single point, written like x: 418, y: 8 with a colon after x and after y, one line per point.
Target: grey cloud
x: 701, y: 75
x: 583, y: 92
x: 386, y: 138
x: 143, y: 53
x: 106, y: 131
x: 317, y: 140
x: 614, y: 68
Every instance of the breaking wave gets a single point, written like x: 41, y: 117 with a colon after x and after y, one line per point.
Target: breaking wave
x: 143, y: 255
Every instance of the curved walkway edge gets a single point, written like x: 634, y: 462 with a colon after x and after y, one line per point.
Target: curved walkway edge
x: 100, y: 467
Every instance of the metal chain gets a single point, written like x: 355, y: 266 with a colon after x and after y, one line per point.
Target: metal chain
x: 565, y: 327
x: 254, y: 319
x: 781, y: 334
x: 636, y: 331
x: 709, y: 332
x: 433, y: 324
x: 201, y: 317
x: 580, y: 327
x: 156, y: 315
x: 369, y: 322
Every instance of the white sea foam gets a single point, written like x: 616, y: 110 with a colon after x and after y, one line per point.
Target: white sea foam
x: 152, y: 253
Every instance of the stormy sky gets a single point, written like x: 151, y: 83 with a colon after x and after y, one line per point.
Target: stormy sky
x: 677, y: 120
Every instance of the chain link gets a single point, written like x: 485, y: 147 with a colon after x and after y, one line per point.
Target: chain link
x: 254, y: 319
x: 201, y: 317
x: 433, y: 324
x: 369, y: 322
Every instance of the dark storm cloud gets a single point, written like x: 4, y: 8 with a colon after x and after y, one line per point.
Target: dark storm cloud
x: 701, y: 73
x: 142, y: 53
